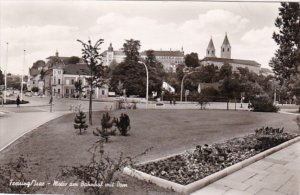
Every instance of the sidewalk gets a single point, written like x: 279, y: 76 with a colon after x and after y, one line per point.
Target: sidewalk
x: 277, y: 174
x: 15, y: 125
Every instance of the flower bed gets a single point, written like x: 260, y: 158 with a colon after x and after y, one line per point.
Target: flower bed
x: 208, y: 159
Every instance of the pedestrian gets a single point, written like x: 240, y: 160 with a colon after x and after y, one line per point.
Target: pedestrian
x: 18, y: 101
x: 174, y: 102
x: 171, y: 101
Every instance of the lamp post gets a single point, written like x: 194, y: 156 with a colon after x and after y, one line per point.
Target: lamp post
x: 5, y: 74
x: 22, y: 76
x: 147, y: 84
x: 182, y: 83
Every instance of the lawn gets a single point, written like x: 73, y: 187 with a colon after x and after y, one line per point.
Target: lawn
x: 56, y: 144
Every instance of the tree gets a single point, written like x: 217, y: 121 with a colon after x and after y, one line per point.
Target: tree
x: 191, y: 60
x: 106, y: 124
x: 42, y: 77
x: 130, y: 72
x: 93, y: 59
x: 73, y: 60
x: 287, y: 57
x: 1, y: 78
x: 78, y: 87
x: 79, y: 121
x: 230, y: 88
x: 208, y: 74
x: 123, y: 124
x: 225, y: 71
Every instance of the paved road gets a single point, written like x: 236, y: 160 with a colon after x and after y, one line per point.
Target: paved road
x: 15, y: 125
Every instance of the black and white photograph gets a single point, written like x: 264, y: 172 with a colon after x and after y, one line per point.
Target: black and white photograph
x: 150, y: 97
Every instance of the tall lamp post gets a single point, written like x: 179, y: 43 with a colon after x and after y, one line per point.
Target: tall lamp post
x: 182, y: 83
x: 22, y: 76
x: 147, y: 84
x: 5, y: 74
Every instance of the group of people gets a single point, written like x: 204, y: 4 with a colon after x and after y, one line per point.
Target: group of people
x: 172, y: 101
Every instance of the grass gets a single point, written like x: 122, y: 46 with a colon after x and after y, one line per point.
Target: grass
x: 57, y: 144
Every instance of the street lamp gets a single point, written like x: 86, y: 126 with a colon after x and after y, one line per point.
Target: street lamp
x: 182, y: 83
x: 22, y: 76
x: 5, y: 74
x: 147, y: 84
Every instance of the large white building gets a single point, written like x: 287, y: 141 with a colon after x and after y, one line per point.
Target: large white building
x: 169, y: 59
x: 226, y: 58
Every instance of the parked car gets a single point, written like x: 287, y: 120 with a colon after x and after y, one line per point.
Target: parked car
x: 28, y: 93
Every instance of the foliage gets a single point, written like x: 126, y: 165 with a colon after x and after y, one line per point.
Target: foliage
x: 35, y: 89
x: 73, y: 60
x: 191, y: 60
x: 130, y: 75
x: 263, y: 104
x: 269, y: 137
x: 101, y: 170
x: 78, y: 87
x: 79, y: 121
x: 106, y: 127
x: 208, y: 73
x: 92, y: 57
x: 14, y: 171
x: 123, y: 124
x: 202, y: 101
x: 225, y: 71
x: 287, y: 56
x: 1, y: 77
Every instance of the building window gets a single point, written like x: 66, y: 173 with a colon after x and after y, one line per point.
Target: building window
x: 72, y: 81
x: 58, y: 82
x: 228, y: 49
x: 67, y: 91
x: 207, y: 52
x: 103, y: 92
x: 223, y: 50
x: 58, y: 91
x: 67, y: 82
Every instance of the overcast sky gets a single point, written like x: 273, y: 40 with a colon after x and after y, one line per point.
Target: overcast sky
x: 44, y: 27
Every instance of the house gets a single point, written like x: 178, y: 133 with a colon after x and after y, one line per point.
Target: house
x: 225, y: 58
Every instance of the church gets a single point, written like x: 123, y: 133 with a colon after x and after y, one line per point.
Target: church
x: 211, y: 58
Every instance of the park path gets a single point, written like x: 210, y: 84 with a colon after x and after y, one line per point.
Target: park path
x: 15, y: 125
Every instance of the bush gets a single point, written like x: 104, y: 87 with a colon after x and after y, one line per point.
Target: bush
x: 263, y: 104
x: 35, y: 89
x: 79, y: 121
x: 15, y: 102
x: 269, y: 137
x: 123, y: 124
x: 14, y: 171
x: 106, y: 127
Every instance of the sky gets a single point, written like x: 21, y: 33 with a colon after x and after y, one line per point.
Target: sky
x: 44, y: 27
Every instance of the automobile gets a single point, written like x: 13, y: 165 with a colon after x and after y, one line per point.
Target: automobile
x: 28, y: 93
x: 35, y: 94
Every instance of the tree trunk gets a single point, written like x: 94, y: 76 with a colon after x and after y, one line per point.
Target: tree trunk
x: 227, y: 104
x: 234, y: 104
x: 90, y: 108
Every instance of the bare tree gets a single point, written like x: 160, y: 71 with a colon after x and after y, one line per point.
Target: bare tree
x: 92, y: 57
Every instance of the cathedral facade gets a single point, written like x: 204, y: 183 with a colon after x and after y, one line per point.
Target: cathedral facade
x: 211, y: 58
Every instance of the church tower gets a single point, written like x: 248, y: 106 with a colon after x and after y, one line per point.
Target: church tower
x: 110, y: 55
x: 210, y: 51
x: 226, y: 48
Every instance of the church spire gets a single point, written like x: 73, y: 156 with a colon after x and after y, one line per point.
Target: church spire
x: 110, y: 48
x: 210, y: 51
x: 226, y: 48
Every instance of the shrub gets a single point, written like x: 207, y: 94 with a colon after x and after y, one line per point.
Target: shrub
x: 202, y: 101
x: 269, y: 137
x: 14, y: 171
x: 106, y: 128
x: 263, y: 104
x: 123, y: 124
x: 101, y: 170
x: 79, y: 121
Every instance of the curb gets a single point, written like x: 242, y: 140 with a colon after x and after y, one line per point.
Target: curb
x: 187, y: 189
x: 36, y: 126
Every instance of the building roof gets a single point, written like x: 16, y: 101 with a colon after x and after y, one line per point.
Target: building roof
x: 226, y: 41
x: 211, y: 44
x: 117, y: 53
x: 234, y: 61
x: 166, y: 53
x: 76, y: 69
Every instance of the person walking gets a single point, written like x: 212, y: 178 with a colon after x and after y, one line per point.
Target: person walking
x: 18, y: 101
